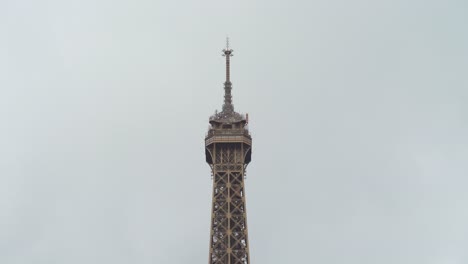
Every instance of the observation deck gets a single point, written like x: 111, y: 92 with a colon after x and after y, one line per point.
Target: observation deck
x: 228, y: 135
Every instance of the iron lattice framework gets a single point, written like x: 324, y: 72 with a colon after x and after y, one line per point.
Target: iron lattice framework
x: 228, y: 147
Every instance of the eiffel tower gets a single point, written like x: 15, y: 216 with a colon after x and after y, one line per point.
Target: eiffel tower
x: 228, y: 150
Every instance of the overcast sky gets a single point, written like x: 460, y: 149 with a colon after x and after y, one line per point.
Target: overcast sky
x: 358, y: 111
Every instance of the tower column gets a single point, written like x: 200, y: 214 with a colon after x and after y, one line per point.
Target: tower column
x: 228, y: 148
x: 228, y: 241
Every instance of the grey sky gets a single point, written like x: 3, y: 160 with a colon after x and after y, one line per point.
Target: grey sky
x: 358, y: 114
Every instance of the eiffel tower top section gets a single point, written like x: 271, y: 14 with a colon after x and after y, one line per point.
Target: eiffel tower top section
x: 227, y: 115
x: 228, y: 126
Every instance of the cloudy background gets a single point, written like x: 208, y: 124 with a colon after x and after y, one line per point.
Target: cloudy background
x: 358, y: 114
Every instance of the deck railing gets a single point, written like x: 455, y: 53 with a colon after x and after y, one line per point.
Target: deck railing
x: 223, y: 132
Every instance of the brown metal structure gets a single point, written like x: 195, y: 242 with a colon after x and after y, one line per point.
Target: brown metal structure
x: 228, y: 148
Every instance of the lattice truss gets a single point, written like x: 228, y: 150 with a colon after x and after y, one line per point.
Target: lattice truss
x: 229, y: 243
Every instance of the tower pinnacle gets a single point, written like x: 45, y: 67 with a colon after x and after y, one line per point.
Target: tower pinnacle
x: 227, y: 115
x: 227, y: 106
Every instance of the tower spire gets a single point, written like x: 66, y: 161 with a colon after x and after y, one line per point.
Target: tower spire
x: 227, y: 106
